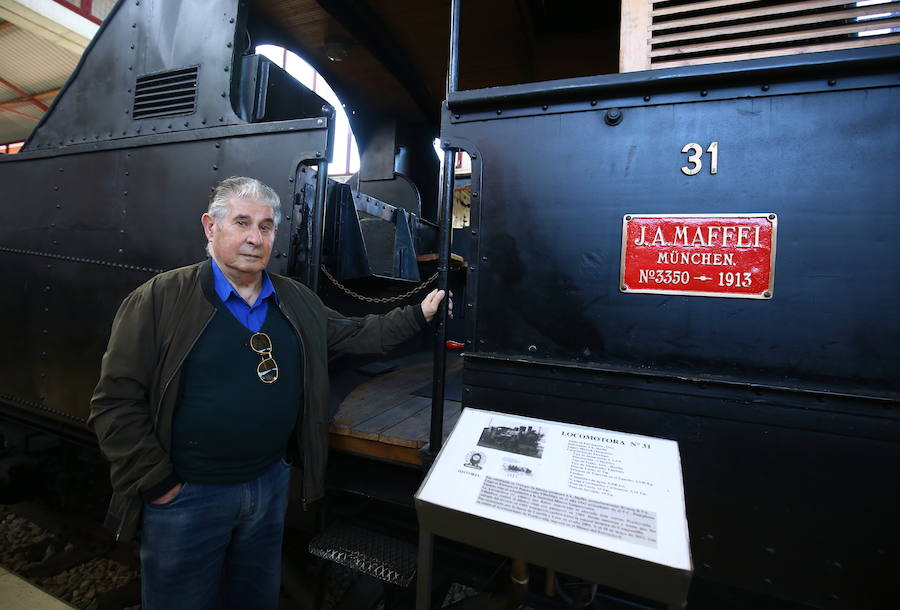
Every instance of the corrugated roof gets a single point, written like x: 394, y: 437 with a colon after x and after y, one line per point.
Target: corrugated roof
x: 32, y: 63
x: 35, y: 66
x: 13, y: 126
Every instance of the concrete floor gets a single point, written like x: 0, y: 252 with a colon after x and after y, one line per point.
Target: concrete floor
x: 17, y: 594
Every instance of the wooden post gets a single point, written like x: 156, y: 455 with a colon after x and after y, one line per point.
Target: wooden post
x: 634, y: 39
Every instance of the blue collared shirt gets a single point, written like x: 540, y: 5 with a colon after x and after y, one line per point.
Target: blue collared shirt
x: 253, y: 317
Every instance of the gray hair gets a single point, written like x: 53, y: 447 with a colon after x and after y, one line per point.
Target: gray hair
x: 241, y: 187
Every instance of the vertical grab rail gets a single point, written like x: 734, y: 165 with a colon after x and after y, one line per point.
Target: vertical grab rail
x: 439, y: 375
x: 426, y: 538
x: 318, y: 226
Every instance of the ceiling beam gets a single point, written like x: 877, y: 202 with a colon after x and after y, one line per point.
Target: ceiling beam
x: 27, y: 116
x: 21, y: 100
x: 51, y: 20
x: 25, y: 94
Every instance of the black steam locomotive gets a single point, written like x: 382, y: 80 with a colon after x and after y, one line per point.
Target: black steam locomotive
x: 586, y: 281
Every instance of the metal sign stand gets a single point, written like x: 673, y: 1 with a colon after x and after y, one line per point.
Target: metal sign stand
x: 539, y: 491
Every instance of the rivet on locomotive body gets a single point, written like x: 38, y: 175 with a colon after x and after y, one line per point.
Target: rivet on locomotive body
x: 474, y: 194
x: 544, y: 107
x: 499, y: 111
x: 455, y: 115
x: 646, y: 98
x: 767, y: 294
x: 765, y: 87
x: 532, y: 348
x: 628, y: 218
x: 704, y: 93
x: 593, y: 102
x: 771, y: 216
x: 215, y: 167
x: 831, y: 82
x: 473, y: 156
x: 613, y: 116
x: 223, y: 94
x: 226, y: 68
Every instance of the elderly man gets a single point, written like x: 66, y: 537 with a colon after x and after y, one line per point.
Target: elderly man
x: 214, y: 381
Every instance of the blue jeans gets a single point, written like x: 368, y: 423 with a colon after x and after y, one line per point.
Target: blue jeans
x: 216, y: 547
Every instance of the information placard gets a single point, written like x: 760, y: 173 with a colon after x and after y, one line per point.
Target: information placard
x: 618, y: 492
x: 729, y: 255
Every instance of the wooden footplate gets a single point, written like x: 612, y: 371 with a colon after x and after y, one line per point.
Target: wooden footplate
x: 386, y: 419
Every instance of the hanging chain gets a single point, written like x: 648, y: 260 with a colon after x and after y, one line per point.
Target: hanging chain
x: 366, y: 299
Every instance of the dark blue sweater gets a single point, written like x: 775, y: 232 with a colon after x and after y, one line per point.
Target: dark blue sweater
x: 229, y: 426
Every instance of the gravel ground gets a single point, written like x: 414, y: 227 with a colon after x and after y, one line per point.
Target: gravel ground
x: 70, y: 559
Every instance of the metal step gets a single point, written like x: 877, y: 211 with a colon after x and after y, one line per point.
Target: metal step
x: 386, y: 558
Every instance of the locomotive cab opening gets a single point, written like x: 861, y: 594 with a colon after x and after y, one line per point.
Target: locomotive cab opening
x: 377, y: 252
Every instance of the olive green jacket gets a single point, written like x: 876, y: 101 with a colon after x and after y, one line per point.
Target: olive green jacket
x: 134, y: 403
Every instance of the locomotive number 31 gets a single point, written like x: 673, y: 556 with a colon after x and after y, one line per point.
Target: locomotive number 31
x: 697, y: 163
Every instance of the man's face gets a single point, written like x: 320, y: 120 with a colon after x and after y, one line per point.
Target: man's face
x: 241, y: 242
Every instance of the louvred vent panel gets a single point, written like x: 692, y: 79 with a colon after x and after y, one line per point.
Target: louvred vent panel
x: 164, y: 94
